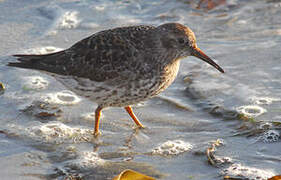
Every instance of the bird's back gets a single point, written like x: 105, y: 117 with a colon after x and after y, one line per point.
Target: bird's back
x: 98, y: 57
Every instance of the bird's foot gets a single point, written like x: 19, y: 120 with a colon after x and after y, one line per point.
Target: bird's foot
x: 97, y: 133
x: 141, y: 127
x: 138, y: 129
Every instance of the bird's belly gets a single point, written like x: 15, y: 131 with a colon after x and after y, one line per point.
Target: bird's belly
x: 123, y: 93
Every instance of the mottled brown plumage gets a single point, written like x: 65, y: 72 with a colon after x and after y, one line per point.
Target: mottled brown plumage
x: 121, y: 66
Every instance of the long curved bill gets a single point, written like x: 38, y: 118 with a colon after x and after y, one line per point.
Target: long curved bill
x: 198, y: 53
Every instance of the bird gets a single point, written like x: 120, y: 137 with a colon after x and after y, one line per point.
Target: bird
x: 122, y: 66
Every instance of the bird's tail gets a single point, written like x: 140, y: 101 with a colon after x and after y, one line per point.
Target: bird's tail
x: 31, y: 61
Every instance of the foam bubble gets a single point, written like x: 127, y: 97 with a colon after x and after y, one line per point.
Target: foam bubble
x: 100, y: 7
x: 251, y: 110
x: 87, y: 159
x: 238, y: 170
x: 64, y: 97
x: 242, y: 22
x: 270, y: 136
x: 42, y: 50
x: 68, y: 20
x: 35, y: 83
x: 57, y: 132
x: 174, y: 147
x: 52, y: 33
x: 263, y: 100
x: 90, y: 116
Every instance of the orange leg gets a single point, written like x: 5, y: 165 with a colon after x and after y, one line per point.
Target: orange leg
x: 97, y: 120
x: 131, y: 113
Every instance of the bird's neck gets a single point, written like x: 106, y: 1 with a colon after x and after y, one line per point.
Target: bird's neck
x: 168, y: 58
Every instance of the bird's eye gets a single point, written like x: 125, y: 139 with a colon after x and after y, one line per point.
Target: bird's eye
x: 181, y: 40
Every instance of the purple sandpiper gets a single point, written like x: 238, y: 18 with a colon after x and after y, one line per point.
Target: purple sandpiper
x: 122, y: 66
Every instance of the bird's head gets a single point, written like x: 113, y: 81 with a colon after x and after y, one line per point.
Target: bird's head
x: 179, y: 38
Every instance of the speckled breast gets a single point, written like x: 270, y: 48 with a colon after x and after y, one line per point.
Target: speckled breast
x: 123, y: 92
x: 133, y: 93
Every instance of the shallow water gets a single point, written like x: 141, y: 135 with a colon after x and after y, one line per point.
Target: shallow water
x: 45, y: 130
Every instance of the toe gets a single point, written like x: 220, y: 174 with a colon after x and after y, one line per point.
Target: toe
x: 97, y: 133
